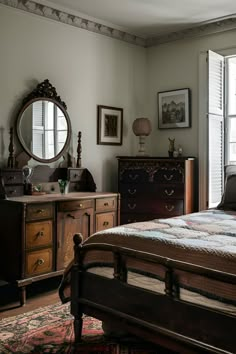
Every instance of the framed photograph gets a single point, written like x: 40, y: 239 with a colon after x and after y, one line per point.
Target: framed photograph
x: 174, y: 109
x: 109, y: 125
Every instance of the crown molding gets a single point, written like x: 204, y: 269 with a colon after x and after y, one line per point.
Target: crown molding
x: 207, y: 28
x: 76, y: 21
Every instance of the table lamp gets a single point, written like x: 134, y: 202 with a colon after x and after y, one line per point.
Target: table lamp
x: 142, y: 128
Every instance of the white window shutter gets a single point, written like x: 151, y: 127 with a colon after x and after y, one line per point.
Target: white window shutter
x: 215, y: 128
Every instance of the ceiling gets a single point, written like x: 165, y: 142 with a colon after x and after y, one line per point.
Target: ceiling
x: 148, y: 18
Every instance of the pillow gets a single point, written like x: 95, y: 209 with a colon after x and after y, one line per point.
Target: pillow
x: 228, y: 201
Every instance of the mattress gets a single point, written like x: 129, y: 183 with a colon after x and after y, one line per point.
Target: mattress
x: 206, y: 239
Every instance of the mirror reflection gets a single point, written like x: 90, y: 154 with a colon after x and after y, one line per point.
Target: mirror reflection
x: 43, y: 129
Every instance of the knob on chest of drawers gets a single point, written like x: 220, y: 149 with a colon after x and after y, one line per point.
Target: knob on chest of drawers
x: 106, y: 223
x: 40, y: 261
x: 106, y: 204
x: 133, y: 177
x: 169, y: 192
x: 39, y: 211
x: 132, y: 191
x: 40, y: 234
x: 168, y: 178
x: 169, y: 207
x: 133, y: 206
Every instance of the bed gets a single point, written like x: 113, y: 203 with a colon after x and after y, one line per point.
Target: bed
x: 170, y: 281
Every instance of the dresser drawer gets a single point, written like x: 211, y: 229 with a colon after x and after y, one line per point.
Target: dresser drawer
x: 39, y: 211
x: 105, y: 221
x: 38, y: 234
x: 169, y: 175
x: 159, y: 207
x: 14, y: 191
x: 12, y: 176
x: 75, y: 205
x: 39, y: 262
x: 134, y: 176
x: 104, y: 204
x: 175, y: 191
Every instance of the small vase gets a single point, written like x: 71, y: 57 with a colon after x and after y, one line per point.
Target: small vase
x: 63, y: 186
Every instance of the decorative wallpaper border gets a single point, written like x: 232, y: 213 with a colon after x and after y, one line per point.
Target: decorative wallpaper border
x: 220, y: 25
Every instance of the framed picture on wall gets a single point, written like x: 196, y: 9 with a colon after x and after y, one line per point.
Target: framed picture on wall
x: 109, y: 125
x: 174, y: 109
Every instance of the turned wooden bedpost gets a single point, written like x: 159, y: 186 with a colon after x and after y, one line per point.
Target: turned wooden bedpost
x: 75, y: 288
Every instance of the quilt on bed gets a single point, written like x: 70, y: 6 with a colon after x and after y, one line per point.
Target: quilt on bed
x: 206, y: 238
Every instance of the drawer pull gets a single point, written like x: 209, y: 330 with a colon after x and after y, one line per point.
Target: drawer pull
x: 132, y: 191
x: 169, y: 207
x: 132, y: 206
x: 168, y: 178
x: 40, y: 211
x: 40, y: 234
x: 169, y: 193
x: 40, y: 261
x: 81, y: 205
x: 106, y: 223
x: 75, y: 175
x: 105, y: 204
x: 133, y: 177
x: 72, y: 216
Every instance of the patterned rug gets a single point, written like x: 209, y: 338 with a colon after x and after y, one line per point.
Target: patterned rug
x: 50, y: 330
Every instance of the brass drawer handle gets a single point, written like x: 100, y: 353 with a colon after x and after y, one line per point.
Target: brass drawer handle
x: 132, y: 206
x: 133, y: 177
x: 106, y: 204
x: 169, y: 193
x: 106, y: 223
x: 132, y: 191
x: 40, y: 261
x: 40, y: 234
x: 169, y: 207
x: 168, y: 178
x: 40, y: 211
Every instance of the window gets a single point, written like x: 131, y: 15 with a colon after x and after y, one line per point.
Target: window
x: 221, y: 122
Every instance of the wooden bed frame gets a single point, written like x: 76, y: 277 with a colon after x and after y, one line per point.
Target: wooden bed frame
x: 162, y: 319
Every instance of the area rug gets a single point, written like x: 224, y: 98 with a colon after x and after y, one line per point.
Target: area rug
x: 50, y: 330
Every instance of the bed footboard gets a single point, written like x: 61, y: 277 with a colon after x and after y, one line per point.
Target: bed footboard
x: 163, y: 319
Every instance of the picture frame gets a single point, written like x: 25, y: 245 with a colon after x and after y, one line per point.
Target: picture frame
x: 174, y: 109
x: 109, y: 125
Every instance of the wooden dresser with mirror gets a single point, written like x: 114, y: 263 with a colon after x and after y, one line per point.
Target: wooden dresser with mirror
x: 37, y: 230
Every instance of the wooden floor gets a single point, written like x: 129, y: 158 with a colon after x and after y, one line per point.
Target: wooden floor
x: 39, y: 294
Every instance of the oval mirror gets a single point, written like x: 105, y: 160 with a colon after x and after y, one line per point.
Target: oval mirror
x: 43, y: 128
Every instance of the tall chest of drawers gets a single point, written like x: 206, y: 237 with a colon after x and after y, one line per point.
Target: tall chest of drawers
x: 154, y: 187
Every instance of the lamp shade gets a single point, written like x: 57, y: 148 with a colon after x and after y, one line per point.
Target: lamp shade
x: 142, y: 127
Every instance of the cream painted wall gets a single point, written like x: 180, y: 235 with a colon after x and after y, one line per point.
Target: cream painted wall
x: 175, y: 65
x: 86, y: 68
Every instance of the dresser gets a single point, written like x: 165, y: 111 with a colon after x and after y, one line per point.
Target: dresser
x: 154, y: 187
x: 37, y: 232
